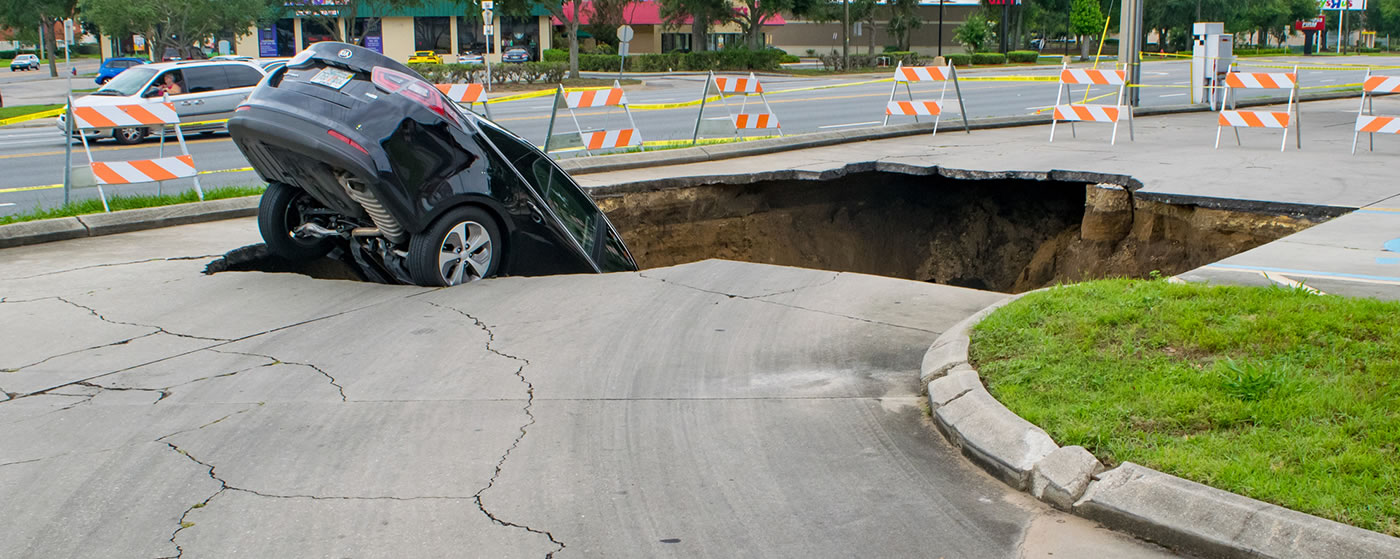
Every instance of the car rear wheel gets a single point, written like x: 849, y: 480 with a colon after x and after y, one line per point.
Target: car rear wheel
x: 128, y: 136
x: 282, y: 209
x: 464, y: 245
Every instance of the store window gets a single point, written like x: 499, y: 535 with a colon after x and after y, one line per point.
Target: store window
x: 469, y: 36
x: 521, y: 32
x: 432, y: 33
x: 368, y: 30
x: 671, y: 42
x: 316, y: 30
x: 718, y: 41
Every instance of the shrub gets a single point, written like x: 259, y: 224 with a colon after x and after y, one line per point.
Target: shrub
x: 1023, y: 56
x: 959, y: 59
x: 983, y: 58
x: 8, y: 54
x: 555, y: 55
x: 88, y: 48
x: 603, y: 48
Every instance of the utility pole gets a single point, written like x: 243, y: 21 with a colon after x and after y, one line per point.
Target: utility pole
x: 846, y: 35
x: 1005, y: 16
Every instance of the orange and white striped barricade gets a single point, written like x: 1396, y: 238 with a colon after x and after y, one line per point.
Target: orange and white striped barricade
x: 591, y: 140
x: 466, y: 94
x: 1237, y: 119
x: 734, y: 123
x: 916, y: 108
x: 157, y: 115
x: 1087, y: 112
x: 1366, y: 119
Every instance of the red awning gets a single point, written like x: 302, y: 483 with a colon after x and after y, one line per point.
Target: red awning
x: 638, y: 13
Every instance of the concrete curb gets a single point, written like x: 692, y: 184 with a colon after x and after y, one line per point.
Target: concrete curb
x: 93, y: 225
x: 1141, y: 501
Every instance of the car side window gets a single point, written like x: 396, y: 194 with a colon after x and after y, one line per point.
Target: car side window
x: 570, y: 204
x: 614, y: 255
x: 202, y: 79
x: 241, y: 76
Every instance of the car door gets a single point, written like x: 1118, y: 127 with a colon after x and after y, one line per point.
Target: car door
x: 241, y: 79
x: 199, y: 85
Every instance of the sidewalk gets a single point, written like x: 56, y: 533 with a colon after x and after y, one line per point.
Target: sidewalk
x: 1172, y: 160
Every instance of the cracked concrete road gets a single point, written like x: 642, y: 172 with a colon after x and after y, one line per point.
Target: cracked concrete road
x: 712, y: 409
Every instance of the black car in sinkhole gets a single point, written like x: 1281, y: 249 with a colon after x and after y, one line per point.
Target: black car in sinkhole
x: 362, y: 154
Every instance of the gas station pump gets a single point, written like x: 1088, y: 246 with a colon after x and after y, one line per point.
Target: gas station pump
x: 1212, y: 52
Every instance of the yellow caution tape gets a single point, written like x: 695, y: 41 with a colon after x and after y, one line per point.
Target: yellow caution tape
x: 31, y: 116
x: 1010, y: 79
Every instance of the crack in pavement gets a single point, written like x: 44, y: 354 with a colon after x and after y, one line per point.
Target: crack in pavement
x: 279, y: 361
x: 159, y: 329
x: 530, y: 420
x: 77, y: 351
x: 182, y: 354
x: 760, y: 299
x: 113, y: 264
x: 164, y: 392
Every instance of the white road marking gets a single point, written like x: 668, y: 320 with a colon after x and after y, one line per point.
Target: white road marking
x: 1173, y: 95
x: 1328, y: 81
x: 1039, y: 108
x: 7, y: 204
x: 850, y: 124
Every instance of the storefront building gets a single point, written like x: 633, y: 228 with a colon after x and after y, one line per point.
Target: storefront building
x: 449, y: 29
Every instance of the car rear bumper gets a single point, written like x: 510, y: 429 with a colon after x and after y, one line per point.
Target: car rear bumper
x: 286, y: 147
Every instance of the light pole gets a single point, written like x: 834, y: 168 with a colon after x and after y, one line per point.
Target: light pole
x: 940, y: 27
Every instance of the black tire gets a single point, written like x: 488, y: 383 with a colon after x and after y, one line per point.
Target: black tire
x: 279, y: 212
x: 433, y: 255
x: 128, y: 136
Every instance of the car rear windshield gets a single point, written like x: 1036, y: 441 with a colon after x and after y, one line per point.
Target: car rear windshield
x: 128, y: 83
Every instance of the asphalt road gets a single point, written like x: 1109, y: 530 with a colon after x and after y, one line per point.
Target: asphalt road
x: 716, y: 409
x: 33, y: 157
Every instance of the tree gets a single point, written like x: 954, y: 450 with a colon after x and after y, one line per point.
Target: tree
x: 606, y: 17
x: 570, y: 14
x: 701, y: 14
x: 1086, y: 21
x: 177, y: 24
x: 331, y: 16
x: 21, y: 14
x: 973, y: 32
x: 904, y: 19
x: 1384, y: 16
x: 752, y: 14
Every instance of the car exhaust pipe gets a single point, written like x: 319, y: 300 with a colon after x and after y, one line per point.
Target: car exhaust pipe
x: 383, y: 220
x: 312, y: 230
x: 365, y: 232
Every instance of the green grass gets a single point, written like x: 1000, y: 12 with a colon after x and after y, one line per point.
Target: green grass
x: 21, y: 110
x: 94, y: 205
x: 1273, y: 393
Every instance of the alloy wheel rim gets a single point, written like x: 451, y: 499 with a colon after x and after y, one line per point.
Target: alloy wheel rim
x: 465, y: 254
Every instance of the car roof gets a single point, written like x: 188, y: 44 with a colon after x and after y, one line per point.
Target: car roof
x: 197, y: 63
x: 134, y: 59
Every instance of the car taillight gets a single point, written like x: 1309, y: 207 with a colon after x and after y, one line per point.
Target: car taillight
x: 413, y: 88
x: 344, y: 138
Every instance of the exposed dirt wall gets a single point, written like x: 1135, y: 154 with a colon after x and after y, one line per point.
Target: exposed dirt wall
x: 1003, y: 235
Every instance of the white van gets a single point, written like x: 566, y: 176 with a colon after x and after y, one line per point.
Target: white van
x: 205, y: 93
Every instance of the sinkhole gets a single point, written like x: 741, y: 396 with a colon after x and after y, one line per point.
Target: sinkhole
x: 990, y: 232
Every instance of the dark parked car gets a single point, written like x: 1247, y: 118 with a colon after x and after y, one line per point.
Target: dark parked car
x: 113, y: 66
x: 515, y: 55
x: 360, y: 153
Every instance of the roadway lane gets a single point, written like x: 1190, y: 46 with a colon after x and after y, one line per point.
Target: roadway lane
x: 715, y: 409
x: 33, y: 156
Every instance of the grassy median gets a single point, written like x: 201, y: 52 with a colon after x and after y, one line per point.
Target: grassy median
x: 1276, y: 394
x: 120, y: 202
x: 21, y: 110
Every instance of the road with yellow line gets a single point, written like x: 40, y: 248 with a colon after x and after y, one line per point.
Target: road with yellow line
x: 666, y: 110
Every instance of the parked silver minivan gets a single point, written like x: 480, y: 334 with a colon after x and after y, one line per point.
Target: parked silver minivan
x: 204, y: 92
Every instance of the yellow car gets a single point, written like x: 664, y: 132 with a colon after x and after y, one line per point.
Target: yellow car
x: 425, y: 57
